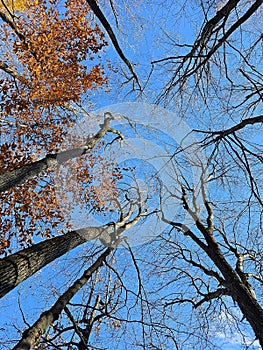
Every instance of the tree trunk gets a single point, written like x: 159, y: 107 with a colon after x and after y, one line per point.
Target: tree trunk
x: 32, y: 335
x: 246, y: 301
x: 15, y: 177
x: 19, y: 266
x: 18, y: 176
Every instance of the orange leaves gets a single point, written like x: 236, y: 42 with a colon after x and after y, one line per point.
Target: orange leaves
x: 51, y: 64
x: 11, y: 157
x: 4, y: 243
x: 58, y: 47
x: 28, y: 210
x: 51, y: 58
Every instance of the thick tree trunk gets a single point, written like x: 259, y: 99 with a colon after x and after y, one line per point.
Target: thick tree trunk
x: 32, y: 335
x: 236, y: 283
x: 19, y: 266
x: 240, y: 293
x: 18, y: 176
x: 250, y: 308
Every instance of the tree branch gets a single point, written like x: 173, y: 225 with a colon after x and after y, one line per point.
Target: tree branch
x: 18, y: 176
x: 97, y: 11
x: 212, y: 295
x: 222, y: 134
x: 4, y: 66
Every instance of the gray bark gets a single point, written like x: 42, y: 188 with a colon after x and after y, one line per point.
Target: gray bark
x: 18, y: 176
x: 17, y: 267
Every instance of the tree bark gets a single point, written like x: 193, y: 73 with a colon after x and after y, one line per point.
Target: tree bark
x: 32, y: 335
x: 247, y: 302
x: 18, y: 176
x: 237, y: 285
x: 17, y: 267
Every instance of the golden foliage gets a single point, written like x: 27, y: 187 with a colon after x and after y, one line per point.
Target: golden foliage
x: 12, y: 6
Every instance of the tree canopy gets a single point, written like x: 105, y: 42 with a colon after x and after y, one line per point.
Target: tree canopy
x: 130, y: 174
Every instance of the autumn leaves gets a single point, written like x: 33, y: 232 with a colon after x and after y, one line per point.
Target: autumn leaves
x: 52, y: 58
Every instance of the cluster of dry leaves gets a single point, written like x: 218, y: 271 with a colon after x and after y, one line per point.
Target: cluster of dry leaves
x: 51, y: 58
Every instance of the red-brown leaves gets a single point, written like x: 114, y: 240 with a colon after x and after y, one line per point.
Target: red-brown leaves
x: 51, y: 59
x: 57, y: 48
x: 53, y: 48
x: 55, y: 52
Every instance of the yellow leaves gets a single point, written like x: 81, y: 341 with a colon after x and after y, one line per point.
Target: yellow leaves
x: 12, y: 6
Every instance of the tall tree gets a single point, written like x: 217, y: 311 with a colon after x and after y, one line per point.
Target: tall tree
x: 198, y: 282
x: 32, y: 336
x: 19, y: 266
x: 45, y: 68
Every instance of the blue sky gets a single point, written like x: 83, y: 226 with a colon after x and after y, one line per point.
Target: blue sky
x: 148, y: 36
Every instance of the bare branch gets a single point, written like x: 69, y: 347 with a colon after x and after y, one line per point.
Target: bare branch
x: 222, y: 134
x: 4, y: 66
x: 212, y: 295
x: 95, y: 8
